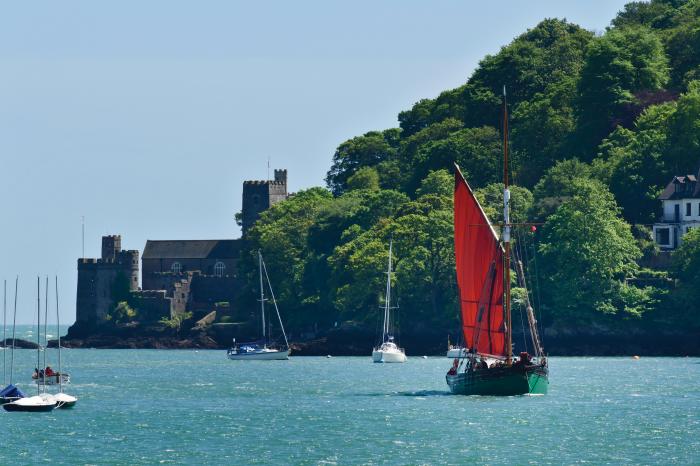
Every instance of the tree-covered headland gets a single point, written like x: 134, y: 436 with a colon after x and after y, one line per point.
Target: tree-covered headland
x: 599, y: 125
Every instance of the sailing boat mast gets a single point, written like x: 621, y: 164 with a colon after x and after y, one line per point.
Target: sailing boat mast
x: 506, y: 234
x: 4, y: 332
x: 387, y: 301
x: 58, y: 326
x: 38, y: 332
x: 14, y: 326
x: 46, y: 325
x: 262, y: 295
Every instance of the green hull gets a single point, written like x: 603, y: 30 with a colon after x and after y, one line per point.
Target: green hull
x: 501, y: 381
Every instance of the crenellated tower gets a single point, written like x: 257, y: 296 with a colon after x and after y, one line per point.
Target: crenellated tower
x: 258, y: 196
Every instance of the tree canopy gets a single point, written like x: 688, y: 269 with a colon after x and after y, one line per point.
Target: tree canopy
x: 599, y: 125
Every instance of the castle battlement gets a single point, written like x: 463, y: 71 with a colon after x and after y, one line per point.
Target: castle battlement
x: 264, y: 182
x: 260, y: 195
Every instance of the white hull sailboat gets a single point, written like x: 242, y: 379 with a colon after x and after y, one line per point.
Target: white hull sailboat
x: 259, y: 354
x: 263, y: 350
x: 42, y: 402
x: 388, y: 351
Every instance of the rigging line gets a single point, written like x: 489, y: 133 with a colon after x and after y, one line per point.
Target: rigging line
x: 4, y: 333
x: 14, y: 326
x: 539, y: 300
x: 522, y: 324
x: 46, y: 328
x: 274, y: 301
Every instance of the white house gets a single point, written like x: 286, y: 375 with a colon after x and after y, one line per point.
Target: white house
x: 681, y: 211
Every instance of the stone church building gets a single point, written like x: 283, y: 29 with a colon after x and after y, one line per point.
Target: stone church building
x: 176, y: 275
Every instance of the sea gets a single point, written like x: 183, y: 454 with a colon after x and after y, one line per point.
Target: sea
x: 197, y: 407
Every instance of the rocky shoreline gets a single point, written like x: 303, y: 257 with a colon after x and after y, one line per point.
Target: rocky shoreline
x: 358, y: 342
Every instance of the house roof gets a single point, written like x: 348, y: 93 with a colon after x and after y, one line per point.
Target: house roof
x: 688, y: 188
x: 192, y: 249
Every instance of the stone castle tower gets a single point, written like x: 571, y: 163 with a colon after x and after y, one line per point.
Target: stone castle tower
x: 258, y: 196
x: 97, y: 279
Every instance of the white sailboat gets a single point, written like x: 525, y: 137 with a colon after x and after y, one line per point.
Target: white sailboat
x: 263, y: 350
x: 388, y: 350
x: 42, y: 402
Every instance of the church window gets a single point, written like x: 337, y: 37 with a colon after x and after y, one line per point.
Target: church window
x: 176, y: 267
x: 219, y: 269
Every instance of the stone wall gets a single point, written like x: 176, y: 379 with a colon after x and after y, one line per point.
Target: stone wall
x: 97, y: 279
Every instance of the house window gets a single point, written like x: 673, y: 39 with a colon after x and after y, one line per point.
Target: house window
x: 219, y: 269
x: 698, y: 209
x: 176, y: 267
x: 688, y: 213
x: 663, y: 236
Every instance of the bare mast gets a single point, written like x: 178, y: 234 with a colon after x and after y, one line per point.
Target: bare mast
x: 38, y: 333
x: 58, y: 326
x: 262, y: 295
x: 4, y: 332
x: 506, y: 234
x: 387, y: 301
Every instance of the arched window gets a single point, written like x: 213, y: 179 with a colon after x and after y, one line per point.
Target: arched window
x: 219, y: 269
x: 176, y: 267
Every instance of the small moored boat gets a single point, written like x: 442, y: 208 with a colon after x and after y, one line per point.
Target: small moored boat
x: 388, y: 350
x: 32, y: 404
x: 264, y: 350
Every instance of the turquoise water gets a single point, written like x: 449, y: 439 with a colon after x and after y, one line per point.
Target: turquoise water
x: 197, y: 407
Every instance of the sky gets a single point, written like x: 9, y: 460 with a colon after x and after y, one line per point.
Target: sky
x: 145, y: 118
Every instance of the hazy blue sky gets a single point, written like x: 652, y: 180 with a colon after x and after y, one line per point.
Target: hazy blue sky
x: 146, y: 116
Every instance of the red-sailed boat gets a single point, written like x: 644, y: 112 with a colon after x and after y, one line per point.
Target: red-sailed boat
x: 483, y: 277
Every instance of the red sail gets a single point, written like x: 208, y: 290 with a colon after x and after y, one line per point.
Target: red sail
x: 479, y: 261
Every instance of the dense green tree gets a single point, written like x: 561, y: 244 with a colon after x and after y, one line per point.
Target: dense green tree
x: 618, y: 65
x: 587, y: 251
x: 684, y: 129
x: 625, y: 103
x: 634, y: 163
x: 682, y: 305
x: 657, y: 14
x: 543, y: 56
x: 281, y: 234
x: 683, y: 45
x: 541, y: 129
x: 557, y: 186
x: 363, y: 151
x: 364, y: 178
x: 476, y: 150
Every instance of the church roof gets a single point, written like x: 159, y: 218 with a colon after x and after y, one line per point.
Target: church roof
x: 192, y: 249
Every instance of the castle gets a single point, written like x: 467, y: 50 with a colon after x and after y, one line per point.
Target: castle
x: 177, y: 275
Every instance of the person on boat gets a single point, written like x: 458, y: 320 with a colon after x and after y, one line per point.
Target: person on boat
x: 35, y: 375
x: 49, y: 372
x: 525, y: 358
